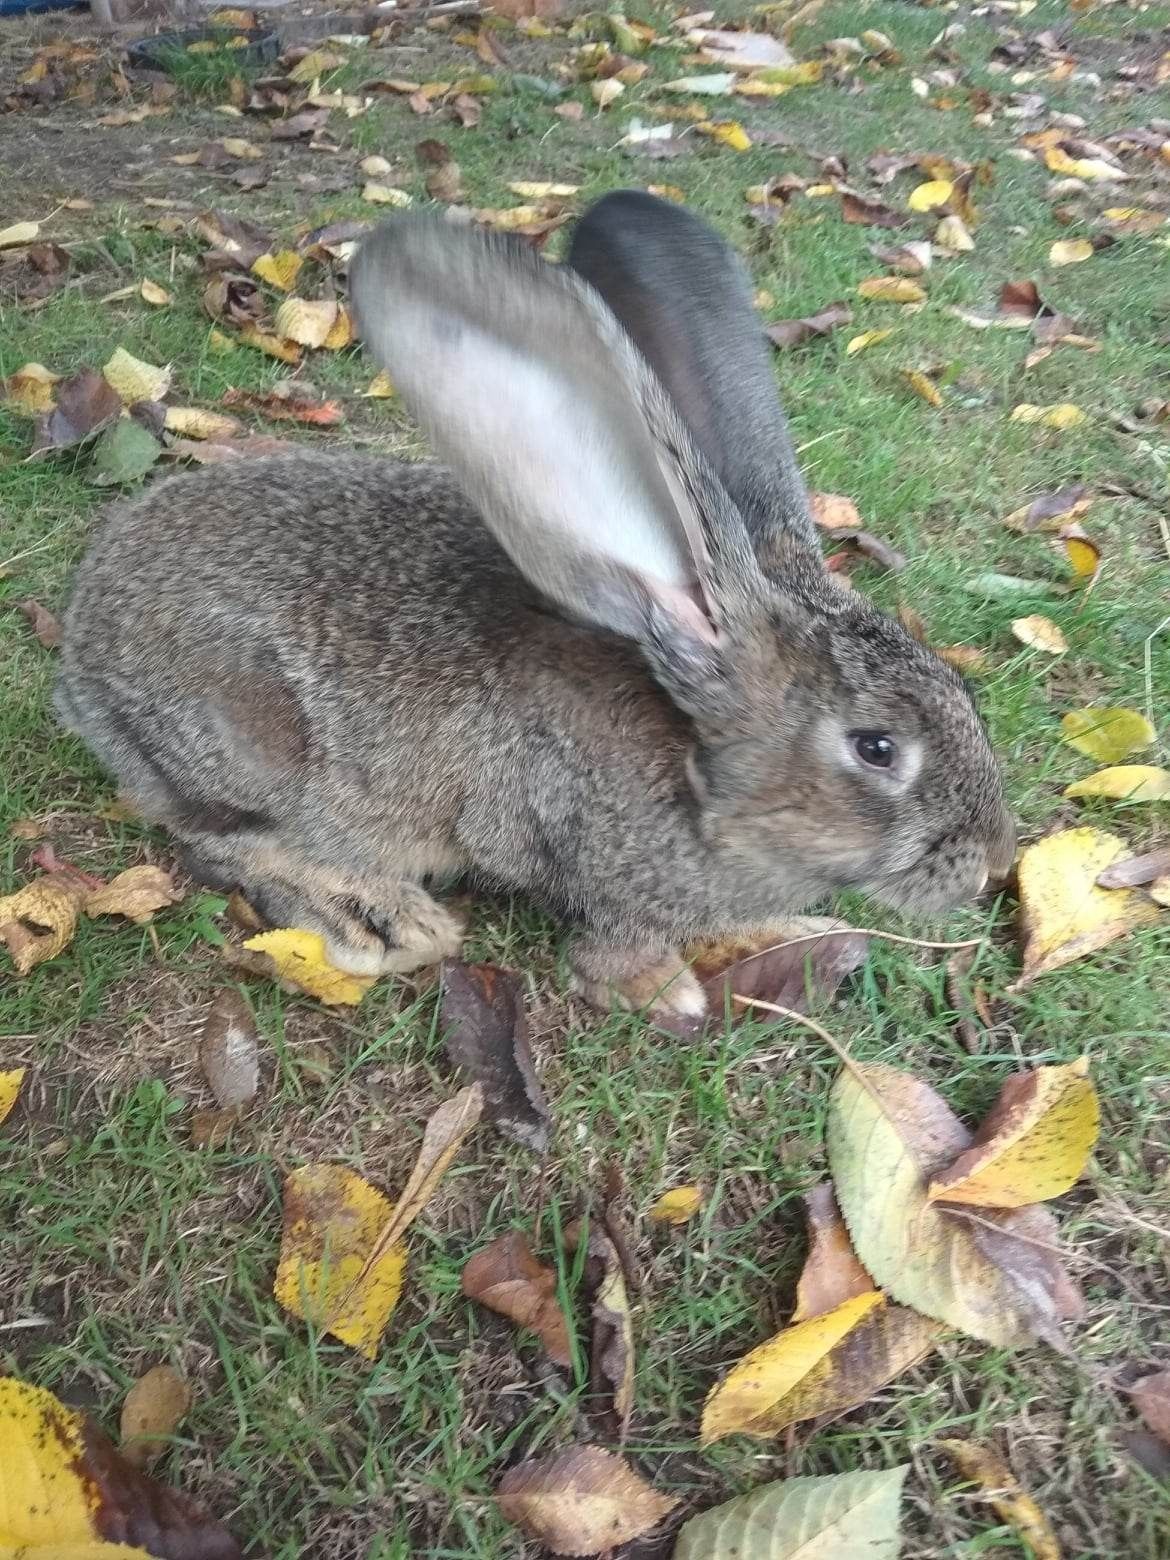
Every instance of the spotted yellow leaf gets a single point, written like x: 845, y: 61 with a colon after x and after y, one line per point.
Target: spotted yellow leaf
x: 340, y: 332
x: 380, y: 387
x: 38, y: 921
x: 1107, y: 734
x: 1070, y: 251
x: 306, y: 320
x: 279, y: 270
x: 1065, y: 914
x: 43, y: 1499
x: 1088, y: 168
x: 1040, y: 633
x: 196, y: 422
x: 677, y: 1206
x: 299, y: 958
x: 271, y: 346
x: 1125, y: 783
x: 135, y: 380
x: 29, y: 389
x: 332, y: 1217
x: 923, y: 386
x: 931, y: 195
x: 728, y: 132
x: 1065, y: 414
x: 10, y: 1083
x: 867, y: 339
x: 891, y: 289
x: 1034, y: 1143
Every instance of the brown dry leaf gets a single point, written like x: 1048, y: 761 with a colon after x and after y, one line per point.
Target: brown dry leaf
x: 485, y: 1032
x: 911, y: 259
x: 677, y: 1206
x: 228, y: 1050
x: 611, y: 1350
x: 1007, y: 1497
x: 995, y: 1274
x: 833, y: 511
x: 1064, y: 914
x: 891, y: 289
x: 507, y: 1278
x: 290, y: 401
x: 443, y: 178
x: 581, y: 1501
x: 790, y: 333
x: 305, y: 123
x: 1034, y: 1143
x: 862, y: 211
x: 152, y: 1409
x: 196, y: 422
x: 831, y: 1273
x: 46, y: 628
x: 86, y: 403
x: 1136, y: 871
x: 1151, y: 1396
x: 1040, y: 633
x: 746, y: 51
x: 38, y: 921
x: 792, y: 966
x: 136, y: 893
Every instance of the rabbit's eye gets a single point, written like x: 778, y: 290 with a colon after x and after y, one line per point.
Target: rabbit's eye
x: 874, y: 748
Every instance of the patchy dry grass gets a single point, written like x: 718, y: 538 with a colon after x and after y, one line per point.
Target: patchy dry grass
x: 123, y: 1245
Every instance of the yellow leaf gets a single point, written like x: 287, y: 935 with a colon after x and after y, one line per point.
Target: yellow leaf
x: 1125, y: 783
x: 892, y: 289
x: 331, y: 1221
x: 30, y: 389
x: 1107, y: 734
x: 818, y: 191
x: 606, y: 92
x: 386, y: 195
x: 1083, y: 554
x: 10, y: 1083
x: 750, y: 1397
x: 236, y: 146
x: 340, y: 332
x: 19, y: 233
x: 1064, y: 913
x: 1040, y: 633
x: 306, y: 320
x: 316, y: 63
x: 1070, y: 251
x: 136, y: 893
x: 1160, y: 891
x: 952, y: 233
x: 195, y: 422
x: 533, y: 189
x: 677, y: 1206
x: 218, y: 343
x: 867, y: 339
x: 1034, y: 1144
x: 728, y: 132
x: 923, y: 385
x: 380, y: 387
x: 1088, y: 168
x: 135, y: 380
x: 299, y: 957
x: 153, y: 294
x: 43, y: 1498
x: 931, y: 195
x: 279, y: 270
x: 375, y: 167
x: 87, y: 1549
x: 272, y: 346
x: 1008, y: 1498
x: 1065, y: 414
x: 38, y: 921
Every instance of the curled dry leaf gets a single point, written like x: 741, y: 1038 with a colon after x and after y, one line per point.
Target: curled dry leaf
x: 1151, y: 1396
x: 10, y: 1083
x: 746, y: 51
x: 677, y: 1206
x: 864, y: 212
x: 229, y: 1052
x: 273, y: 346
x: 611, y: 1351
x: 46, y: 628
x: 507, y: 1278
x: 288, y: 401
x: 486, y: 1033
x: 1040, y: 633
x: 298, y: 957
x: 1007, y: 1497
x: 1135, y: 871
x: 790, y: 333
x: 892, y: 289
x: 307, y: 321
x: 923, y: 386
x: 1034, y: 1143
x: 831, y: 1273
x: 29, y: 389
x: 195, y: 422
x: 838, y: 1516
x: 792, y: 966
x: 133, y: 380
x: 1051, y: 511
x: 1125, y: 783
x: 1108, y: 735
x: 136, y: 893
x: 862, y: 343
x: 581, y: 1501
x: 85, y: 403
x: 38, y: 921
x: 1065, y: 915
x: 151, y: 1411
x: 65, y: 1490
x: 997, y: 1275
x: 386, y: 195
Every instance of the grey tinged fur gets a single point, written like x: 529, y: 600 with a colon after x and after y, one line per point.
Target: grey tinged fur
x: 330, y: 680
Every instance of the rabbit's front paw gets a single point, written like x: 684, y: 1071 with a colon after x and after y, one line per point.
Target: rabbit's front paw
x: 415, y: 930
x: 655, y: 983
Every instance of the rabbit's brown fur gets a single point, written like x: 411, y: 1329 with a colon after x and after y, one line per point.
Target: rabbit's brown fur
x: 328, y: 678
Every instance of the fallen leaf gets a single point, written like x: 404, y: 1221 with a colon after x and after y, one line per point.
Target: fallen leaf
x: 831, y: 1273
x: 838, y: 1517
x: 833, y: 511
x: 1070, y: 251
x: 19, y: 233
x: 703, y: 86
x: 611, y: 1350
x: 228, y: 1050
x: 1065, y: 414
x: 38, y: 921
x: 1051, y: 511
x: 288, y: 401
x: 581, y: 1501
x: 279, y: 270
x: 1087, y: 168
x: 340, y: 332
x: 728, y: 132
x: 863, y: 212
x: 1136, y: 871
x: 1007, y: 1497
x: 271, y: 346
x: 136, y: 893
x: 1125, y: 783
x: 196, y: 422
x: 67, y: 1494
x: 1151, y: 1397
x: 529, y: 189
x: 862, y: 343
x: 85, y: 404
x: 747, y: 51
x: 794, y: 965
x: 46, y: 628
x: 1033, y: 1144
x: 606, y: 92
x: 507, y: 1278
x: 1082, y: 553
x: 1064, y: 914
x: 677, y: 1205
x: 931, y: 195
x: 30, y: 389
x: 485, y: 1032
x: 891, y: 289
x: 953, y: 235
x: 151, y: 1410
x: 923, y: 386
x: 332, y: 1218
x: 306, y: 123
x: 995, y: 1276
x: 315, y: 63
x: 1040, y: 633
x: 135, y: 380
x: 912, y: 258
x: 1004, y: 587
x: 124, y: 453
x: 380, y: 388
x: 386, y: 195
x: 790, y: 333
x: 299, y: 958
x: 10, y: 1083
x: 1107, y: 734
x: 306, y: 321
x: 875, y: 548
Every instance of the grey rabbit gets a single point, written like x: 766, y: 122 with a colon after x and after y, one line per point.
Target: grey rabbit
x: 597, y: 658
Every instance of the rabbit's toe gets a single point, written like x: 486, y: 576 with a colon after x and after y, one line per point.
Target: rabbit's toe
x: 657, y: 984
x: 415, y: 931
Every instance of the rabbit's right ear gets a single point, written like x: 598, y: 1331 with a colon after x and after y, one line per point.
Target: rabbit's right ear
x: 684, y: 298
x: 529, y: 390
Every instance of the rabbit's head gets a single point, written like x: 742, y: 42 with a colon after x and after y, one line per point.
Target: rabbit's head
x: 830, y: 748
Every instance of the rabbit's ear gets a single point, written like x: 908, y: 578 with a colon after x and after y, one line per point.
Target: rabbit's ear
x: 530, y: 391
x: 684, y: 298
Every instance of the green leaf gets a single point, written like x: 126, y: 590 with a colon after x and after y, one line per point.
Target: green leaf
x: 839, y: 1517
x: 124, y: 453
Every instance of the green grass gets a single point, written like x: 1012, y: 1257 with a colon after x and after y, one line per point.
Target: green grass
x: 122, y: 1245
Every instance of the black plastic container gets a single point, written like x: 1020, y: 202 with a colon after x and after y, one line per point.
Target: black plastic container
x: 161, y: 50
